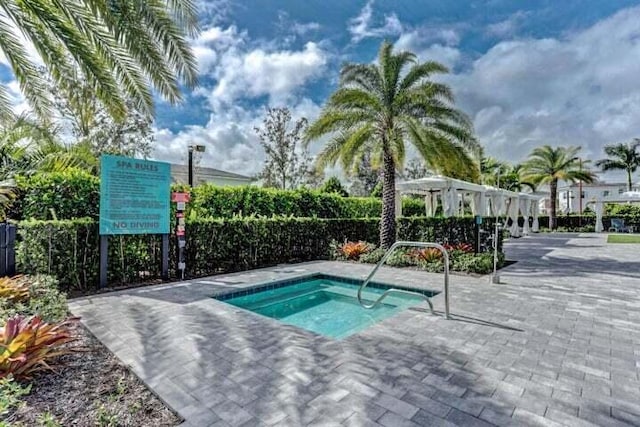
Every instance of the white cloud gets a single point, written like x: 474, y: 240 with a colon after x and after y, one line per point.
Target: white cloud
x: 508, y: 27
x: 236, y: 70
x: 244, y: 71
x: 229, y: 137
x: 303, y: 28
x: 259, y: 72
x: 579, y: 90
x: 361, y: 27
x: 414, y: 42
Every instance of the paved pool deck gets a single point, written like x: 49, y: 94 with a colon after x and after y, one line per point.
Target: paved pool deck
x: 558, y: 343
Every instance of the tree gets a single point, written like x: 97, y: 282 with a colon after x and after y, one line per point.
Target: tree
x: 7, y: 195
x: 548, y: 165
x: 123, y: 48
x: 288, y: 165
x: 377, y: 108
x: 91, y: 124
x: 416, y: 169
x: 364, y: 176
x: 623, y: 156
x: 492, y: 170
x: 333, y: 185
x: 514, y: 179
x: 27, y: 147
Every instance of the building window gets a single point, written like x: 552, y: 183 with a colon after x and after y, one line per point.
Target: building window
x: 620, y: 190
x: 605, y: 193
x: 582, y: 194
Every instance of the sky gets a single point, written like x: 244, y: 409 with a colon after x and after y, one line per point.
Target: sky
x: 527, y: 72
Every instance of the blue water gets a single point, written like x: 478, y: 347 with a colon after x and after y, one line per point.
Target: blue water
x: 327, y: 307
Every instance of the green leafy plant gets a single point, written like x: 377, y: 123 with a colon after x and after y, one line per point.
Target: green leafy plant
x: 28, y: 345
x: 11, y: 393
x: 373, y: 257
x: 47, y: 419
x: 106, y: 418
x: 44, y: 299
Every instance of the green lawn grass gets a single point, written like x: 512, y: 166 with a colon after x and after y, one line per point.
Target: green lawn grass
x: 623, y: 238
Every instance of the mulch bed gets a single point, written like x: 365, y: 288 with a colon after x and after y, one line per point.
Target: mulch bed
x: 90, y: 387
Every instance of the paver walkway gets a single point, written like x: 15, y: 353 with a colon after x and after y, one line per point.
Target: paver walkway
x: 557, y: 344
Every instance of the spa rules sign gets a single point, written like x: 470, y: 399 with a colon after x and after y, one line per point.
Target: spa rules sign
x: 134, y: 196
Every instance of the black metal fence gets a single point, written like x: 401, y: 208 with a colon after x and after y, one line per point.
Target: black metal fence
x: 7, y: 249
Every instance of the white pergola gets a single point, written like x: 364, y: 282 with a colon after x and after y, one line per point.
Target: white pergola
x: 626, y: 197
x: 450, y: 193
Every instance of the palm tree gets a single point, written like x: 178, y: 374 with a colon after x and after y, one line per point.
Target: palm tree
x: 514, y: 179
x: 548, y: 165
x: 492, y: 168
x: 623, y: 156
x: 123, y: 48
x: 7, y: 195
x: 378, y: 108
x: 27, y: 147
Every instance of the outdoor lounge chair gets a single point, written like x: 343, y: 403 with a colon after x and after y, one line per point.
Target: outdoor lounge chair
x: 617, y: 226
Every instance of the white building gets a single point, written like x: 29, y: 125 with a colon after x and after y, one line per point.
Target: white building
x: 571, y: 201
x: 180, y: 175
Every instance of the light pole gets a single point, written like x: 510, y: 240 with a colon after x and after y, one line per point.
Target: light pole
x: 495, y: 278
x: 192, y: 148
x: 580, y: 191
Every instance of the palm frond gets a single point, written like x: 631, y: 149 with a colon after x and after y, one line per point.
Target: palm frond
x: 420, y: 72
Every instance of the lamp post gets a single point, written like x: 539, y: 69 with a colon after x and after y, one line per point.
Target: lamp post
x: 580, y: 191
x: 192, y: 148
x: 495, y: 278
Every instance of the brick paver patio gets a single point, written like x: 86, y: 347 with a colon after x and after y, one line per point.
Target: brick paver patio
x: 557, y: 344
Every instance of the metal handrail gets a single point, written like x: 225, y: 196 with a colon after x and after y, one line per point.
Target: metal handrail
x: 445, y: 257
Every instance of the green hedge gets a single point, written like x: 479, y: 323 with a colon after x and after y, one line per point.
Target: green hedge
x: 68, y: 249
x: 76, y: 194
x: 225, y: 202
x: 72, y: 194
x: 587, y: 223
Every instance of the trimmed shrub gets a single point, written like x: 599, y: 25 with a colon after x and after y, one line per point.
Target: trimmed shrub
x: 68, y: 250
x: 586, y: 224
x: 76, y: 194
x: 70, y: 194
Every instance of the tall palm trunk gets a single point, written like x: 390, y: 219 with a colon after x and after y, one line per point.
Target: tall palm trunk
x: 553, y: 189
x: 388, y: 219
x: 629, y: 183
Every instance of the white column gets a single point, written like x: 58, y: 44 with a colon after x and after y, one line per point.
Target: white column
x: 455, y: 202
x: 398, y: 204
x: 428, y: 205
x: 525, y: 207
x: 535, y: 227
x: 513, y: 215
x: 599, y: 208
x: 446, y: 202
x: 479, y: 204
